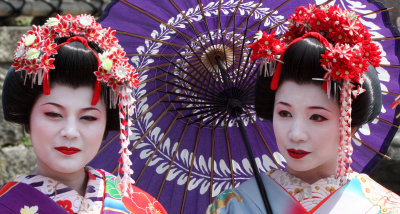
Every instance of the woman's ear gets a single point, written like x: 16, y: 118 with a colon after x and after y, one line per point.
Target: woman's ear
x: 354, y: 130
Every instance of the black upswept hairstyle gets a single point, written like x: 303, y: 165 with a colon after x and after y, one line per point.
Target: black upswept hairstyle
x: 301, y: 64
x: 74, y: 67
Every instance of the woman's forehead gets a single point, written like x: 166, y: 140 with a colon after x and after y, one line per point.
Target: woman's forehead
x: 70, y: 96
x: 308, y: 95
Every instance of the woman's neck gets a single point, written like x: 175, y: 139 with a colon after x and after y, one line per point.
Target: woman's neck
x: 311, y: 176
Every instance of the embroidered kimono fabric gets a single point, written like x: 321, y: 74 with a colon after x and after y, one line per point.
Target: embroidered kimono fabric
x: 33, y: 194
x: 360, y: 195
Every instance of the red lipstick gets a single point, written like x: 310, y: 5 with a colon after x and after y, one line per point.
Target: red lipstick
x: 297, y: 154
x: 67, y: 150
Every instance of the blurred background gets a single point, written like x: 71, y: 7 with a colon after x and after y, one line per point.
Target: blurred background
x: 16, y: 17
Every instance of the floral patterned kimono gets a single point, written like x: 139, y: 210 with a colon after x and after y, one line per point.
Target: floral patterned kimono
x: 36, y: 194
x: 288, y: 194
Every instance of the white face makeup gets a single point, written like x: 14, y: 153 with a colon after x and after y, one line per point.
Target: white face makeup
x: 66, y: 130
x: 306, y: 126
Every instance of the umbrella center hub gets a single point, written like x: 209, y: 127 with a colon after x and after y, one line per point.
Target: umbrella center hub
x: 233, y: 100
x: 224, y: 52
x: 234, y: 107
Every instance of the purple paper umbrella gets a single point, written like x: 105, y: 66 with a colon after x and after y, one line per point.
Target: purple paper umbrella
x: 197, y: 80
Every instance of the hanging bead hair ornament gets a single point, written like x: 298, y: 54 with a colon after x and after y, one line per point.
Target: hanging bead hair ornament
x: 345, y: 60
x: 36, y: 53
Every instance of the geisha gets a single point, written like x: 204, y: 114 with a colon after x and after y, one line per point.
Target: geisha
x: 69, y: 85
x: 323, y: 88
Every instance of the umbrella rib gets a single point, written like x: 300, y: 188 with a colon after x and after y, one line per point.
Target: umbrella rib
x: 231, y: 19
x: 158, y: 20
x: 189, y: 102
x: 372, y: 148
x: 240, y: 25
x: 377, y: 11
x: 173, y: 158
x: 189, y: 74
x: 263, y: 139
x: 152, y: 67
x: 275, y: 25
x: 149, y: 109
x: 244, y: 74
x: 327, y: 2
x: 258, y: 23
x: 188, y: 20
x: 248, y: 83
x: 222, y: 119
x: 219, y: 114
x: 387, y: 122
x: 154, y: 104
x: 108, y: 143
x: 222, y: 42
x: 193, y: 77
x: 152, y: 39
x: 218, y: 20
x: 148, y: 130
x: 185, y: 95
x: 385, y: 38
x: 268, y: 15
x: 198, y: 59
x: 205, y: 21
x: 228, y: 147
x: 208, y: 76
x: 241, y: 53
x: 148, y: 94
x: 198, y: 81
x: 196, y: 85
x: 155, y: 90
x: 192, y: 108
x: 208, y: 115
x: 190, y: 90
x: 191, y: 169
x: 212, y: 162
x: 158, y: 145
x: 160, y: 54
x: 198, y: 113
x: 157, y: 102
x: 280, y: 23
x: 152, y: 79
x: 393, y: 66
x: 392, y: 93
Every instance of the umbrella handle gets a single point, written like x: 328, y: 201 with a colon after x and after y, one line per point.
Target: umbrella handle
x: 235, y: 109
x: 254, y: 165
x: 224, y: 75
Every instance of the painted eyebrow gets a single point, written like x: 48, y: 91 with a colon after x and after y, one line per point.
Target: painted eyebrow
x: 310, y: 107
x: 283, y: 103
x: 319, y: 108
x: 60, y: 106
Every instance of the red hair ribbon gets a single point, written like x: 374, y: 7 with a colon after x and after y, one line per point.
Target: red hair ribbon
x: 97, y: 87
x: 277, y: 73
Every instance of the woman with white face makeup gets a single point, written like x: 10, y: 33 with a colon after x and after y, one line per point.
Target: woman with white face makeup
x: 313, y: 119
x: 69, y: 85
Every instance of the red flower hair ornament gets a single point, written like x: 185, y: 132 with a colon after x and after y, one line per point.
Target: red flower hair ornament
x: 345, y: 59
x: 36, y: 51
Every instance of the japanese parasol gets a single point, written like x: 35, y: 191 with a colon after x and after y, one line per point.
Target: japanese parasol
x: 197, y: 81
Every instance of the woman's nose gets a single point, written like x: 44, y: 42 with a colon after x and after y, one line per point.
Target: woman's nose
x: 298, y: 131
x: 70, y: 129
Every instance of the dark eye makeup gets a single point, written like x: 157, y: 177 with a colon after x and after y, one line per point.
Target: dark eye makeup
x: 284, y: 113
x: 317, y: 117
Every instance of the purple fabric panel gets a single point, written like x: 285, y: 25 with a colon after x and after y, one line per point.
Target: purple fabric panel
x: 23, y: 195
